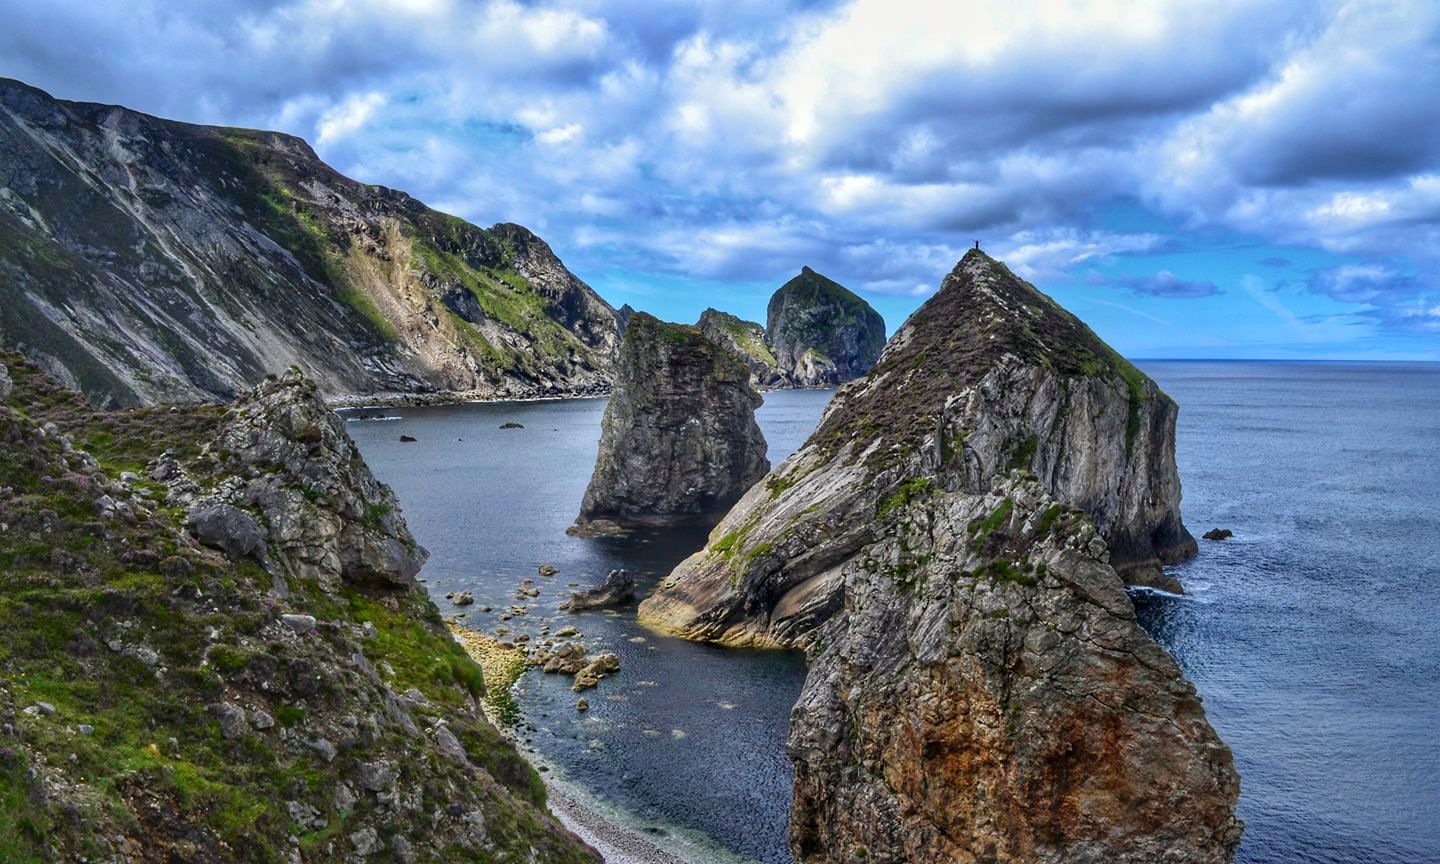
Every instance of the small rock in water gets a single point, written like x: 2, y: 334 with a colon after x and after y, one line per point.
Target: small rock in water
x: 464, y: 598
x: 511, y: 426
x: 547, y: 570
x: 1218, y: 534
x: 582, y: 705
x: 618, y: 587
x: 406, y: 439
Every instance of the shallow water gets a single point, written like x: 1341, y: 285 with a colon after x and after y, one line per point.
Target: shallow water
x: 686, y: 736
x: 1314, y: 635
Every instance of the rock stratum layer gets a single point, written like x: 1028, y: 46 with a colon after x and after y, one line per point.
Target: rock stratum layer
x: 948, y: 546
x: 213, y: 649
x: 820, y: 333
x: 679, y: 443
x: 147, y: 261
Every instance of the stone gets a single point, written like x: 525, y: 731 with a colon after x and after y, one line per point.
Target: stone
x: 618, y: 588
x: 1218, y: 534
x: 952, y: 546
x: 820, y: 333
x: 300, y: 624
x: 323, y: 748
x: 39, y: 709
x: 511, y: 426
x: 406, y: 439
x: 227, y: 528
x: 464, y: 598
x: 232, y: 719
x: 261, y: 720
x: 6, y: 385
x: 546, y: 570
x: 591, y: 673
x: 746, y: 341
x: 85, y: 729
x: 376, y: 776
x: 679, y: 443
x: 582, y: 704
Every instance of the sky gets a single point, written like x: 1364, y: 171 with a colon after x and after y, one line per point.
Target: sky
x: 1202, y: 180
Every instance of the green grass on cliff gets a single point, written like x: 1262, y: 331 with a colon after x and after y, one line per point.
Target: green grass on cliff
x: 75, y: 587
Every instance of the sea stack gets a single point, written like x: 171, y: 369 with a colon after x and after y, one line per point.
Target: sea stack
x: 679, y: 443
x: 821, y: 333
x: 949, y: 547
x: 746, y: 340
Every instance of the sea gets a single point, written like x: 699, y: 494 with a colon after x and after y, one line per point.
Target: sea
x: 1313, y: 634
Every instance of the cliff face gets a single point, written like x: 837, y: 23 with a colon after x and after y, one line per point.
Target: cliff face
x: 988, y: 376
x: 986, y: 694
x: 746, y: 340
x: 679, y: 441
x: 213, y: 649
x: 148, y: 261
x: 947, y: 546
x: 820, y: 333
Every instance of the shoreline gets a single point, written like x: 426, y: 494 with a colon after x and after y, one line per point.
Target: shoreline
x: 616, y: 842
x: 357, y: 402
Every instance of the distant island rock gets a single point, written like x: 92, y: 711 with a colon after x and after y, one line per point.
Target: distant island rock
x: 679, y: 443
x: 746, y: 340
x: 820, y: 333
x: 190, y: 260
x: 951, y: 547
x: 1218, y: 534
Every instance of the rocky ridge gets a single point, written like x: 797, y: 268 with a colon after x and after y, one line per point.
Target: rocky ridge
x: 146, y: 261
x: 679, y: 443
x: 221, y: 654
x: 820, y: 333
x: 746, y: 340
x: 951, y: 547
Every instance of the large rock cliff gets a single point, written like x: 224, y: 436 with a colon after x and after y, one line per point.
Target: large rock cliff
x: 746, y: 340
x: 949, y: 546
x: 213, y: 649
x: 679, y: 441
x: 148, y: 261
x: 821, y: 333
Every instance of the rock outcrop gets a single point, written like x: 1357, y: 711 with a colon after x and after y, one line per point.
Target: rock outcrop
x: 146, y: 261
x: 282, y: 691
x: 746, y: 340
x: 618, y: 588
x: 822, y: 334
x: 949, y: 546
x: 679, y: 442
x: 5, y: 383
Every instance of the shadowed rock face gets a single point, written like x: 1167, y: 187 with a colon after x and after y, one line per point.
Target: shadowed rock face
x: 820, y: 333
x: 679, y: 443
x: 147, y: 261
x: 949, y: 545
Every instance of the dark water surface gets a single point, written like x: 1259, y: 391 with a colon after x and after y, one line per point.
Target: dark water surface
x: 686, y: 736
x: 1314, y: 635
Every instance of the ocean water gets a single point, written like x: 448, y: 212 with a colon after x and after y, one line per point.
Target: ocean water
x: 1313, y: 635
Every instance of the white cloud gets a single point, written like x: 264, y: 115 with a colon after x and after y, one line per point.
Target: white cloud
x: 347, y: 118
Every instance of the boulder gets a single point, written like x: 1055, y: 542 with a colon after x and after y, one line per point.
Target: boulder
x: 228, y: 529
x: 1218, y: 534
x: 618, y: 588
x: 6, y: 385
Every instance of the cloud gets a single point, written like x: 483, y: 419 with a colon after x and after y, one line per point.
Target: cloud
x: 1168, y: 285
x: 872, y: 139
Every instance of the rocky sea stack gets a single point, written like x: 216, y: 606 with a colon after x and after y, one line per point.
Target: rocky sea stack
x: 679, y: 443
x: 821, y: 333
x: 948, y: 546
x: 746, y: 340
x: 213, y: 648
x: 145, y: 261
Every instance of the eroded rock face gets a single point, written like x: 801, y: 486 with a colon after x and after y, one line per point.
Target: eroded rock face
x: 987, y: 695
x: 949, y: 545
x: 271, y: 257
x: 679, y: 443
x: 296, y: 471
x: 988, y: 376
x: 746, y: 340
x: 5, y: 384
x: 822, y: 334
